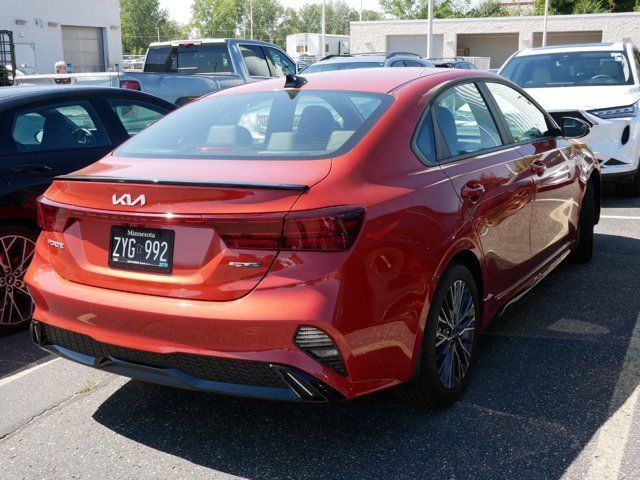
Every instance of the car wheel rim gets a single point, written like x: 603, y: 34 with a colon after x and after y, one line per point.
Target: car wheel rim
x: 454, y: 335
x: 16, y: 252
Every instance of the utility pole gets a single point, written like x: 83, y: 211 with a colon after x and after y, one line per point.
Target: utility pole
x: 360, y: 10
x: 158, y: 31
x: 251, y: 19
x: 546, y: 19
x: 430, y: 30
x: 322, y: 47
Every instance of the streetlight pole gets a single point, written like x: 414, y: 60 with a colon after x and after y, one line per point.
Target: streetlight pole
x: 430, y: 30
x: 360, y: 10
x: 546, y: 19
x: 158, y: 31
x: 322, y: 47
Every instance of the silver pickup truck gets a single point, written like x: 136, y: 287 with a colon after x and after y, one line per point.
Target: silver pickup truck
x: 180, y: 71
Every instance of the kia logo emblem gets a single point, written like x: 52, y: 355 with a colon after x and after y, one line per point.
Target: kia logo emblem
x: 126, y: 199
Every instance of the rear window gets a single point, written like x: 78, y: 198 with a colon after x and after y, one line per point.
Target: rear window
x: 569, y: 69
x: 189, y: 59
x: 329, y: 67
x: 275, y: 124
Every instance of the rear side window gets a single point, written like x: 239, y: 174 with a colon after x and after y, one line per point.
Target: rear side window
x: 58, y: 127
x: 280, y: 64
x: 189, y: 58
x: 263, y: 125
x: 463, y: 122
x: 135, y: 115
x: 255, y: 61
x: 524, y: 119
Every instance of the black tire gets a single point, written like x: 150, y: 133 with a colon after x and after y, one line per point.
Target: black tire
x: 17, y: 245
x: 583, y: 251
x: 431, y: 387
x: 634, y: 190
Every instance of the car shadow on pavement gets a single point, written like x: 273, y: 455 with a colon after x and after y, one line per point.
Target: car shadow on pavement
x: 544, y: 384
x: 18, y: 352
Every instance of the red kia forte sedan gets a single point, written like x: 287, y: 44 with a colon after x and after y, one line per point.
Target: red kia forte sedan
x: 318, y: 239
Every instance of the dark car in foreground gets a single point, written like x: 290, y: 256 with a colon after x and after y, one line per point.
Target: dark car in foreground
x: 45, y: 132
x: 362, y: 241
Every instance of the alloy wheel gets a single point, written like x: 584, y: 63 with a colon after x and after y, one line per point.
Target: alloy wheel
x: 454, y: 334
x: 16, y: 252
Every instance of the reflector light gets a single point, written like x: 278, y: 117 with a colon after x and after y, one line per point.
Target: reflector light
x: 318, y: 345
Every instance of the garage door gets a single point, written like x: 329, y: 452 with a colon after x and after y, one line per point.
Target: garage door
x: 415, y: 44
x: 83, y: 48
x: 568, y: 38
x: 497, y: 46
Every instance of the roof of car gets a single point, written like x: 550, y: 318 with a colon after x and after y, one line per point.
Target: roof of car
x: 374, y: 80
x: 354, y: 59
x: 12, y: 96
x: 583, y: 47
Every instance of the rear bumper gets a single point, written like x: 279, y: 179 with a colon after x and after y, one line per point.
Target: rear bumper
x: 259, y: 327
x: 195, y: 372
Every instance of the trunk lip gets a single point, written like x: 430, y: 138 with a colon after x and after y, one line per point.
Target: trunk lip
x: 185, y: 183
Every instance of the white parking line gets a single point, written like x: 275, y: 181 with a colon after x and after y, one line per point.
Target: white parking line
x: 24, y: 373
x: 602, y: 457
x: 620, y: 217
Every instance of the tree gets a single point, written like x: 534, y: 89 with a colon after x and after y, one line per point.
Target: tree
x: 140, y: 20
x: 217, y: 18
x: 410, y: 9
x: 488, y: 8
x: 590, y: 6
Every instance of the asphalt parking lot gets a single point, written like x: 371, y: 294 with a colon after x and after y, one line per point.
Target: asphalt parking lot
x: 555, y: 395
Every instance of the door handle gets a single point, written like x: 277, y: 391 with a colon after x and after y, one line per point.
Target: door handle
x: 472, y: 191
x: 538, y: 168
x: 36, y: 168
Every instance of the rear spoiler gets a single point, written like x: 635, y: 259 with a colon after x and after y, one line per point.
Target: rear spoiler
x: 187, y: 183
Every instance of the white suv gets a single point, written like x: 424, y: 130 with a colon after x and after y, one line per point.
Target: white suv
x: 599, y: 83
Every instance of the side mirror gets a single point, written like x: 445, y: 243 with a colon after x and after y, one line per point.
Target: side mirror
x: 574, y: 128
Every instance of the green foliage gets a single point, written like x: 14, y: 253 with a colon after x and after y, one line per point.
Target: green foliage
x: 410, y: 9
x: 140, y: 20
x: 567, y: 7
x: 217, y: 18
x: 589, y: 6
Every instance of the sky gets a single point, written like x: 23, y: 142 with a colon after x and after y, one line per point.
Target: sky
x: 180, y: 10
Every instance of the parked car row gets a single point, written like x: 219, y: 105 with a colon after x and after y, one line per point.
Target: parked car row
x: 305, y: 238
x: 181, y: 71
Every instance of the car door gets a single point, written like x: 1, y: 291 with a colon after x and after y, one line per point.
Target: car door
x: 492, y: 180
x: 554, y: 169
x: 50, y: 139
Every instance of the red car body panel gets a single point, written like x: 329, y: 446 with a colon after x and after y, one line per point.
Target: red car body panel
x: 372, y: 299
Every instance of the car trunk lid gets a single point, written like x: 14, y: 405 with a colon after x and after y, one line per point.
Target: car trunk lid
x: 223, y: 215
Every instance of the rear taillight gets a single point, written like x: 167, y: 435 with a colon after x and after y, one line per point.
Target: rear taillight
x: 249, y: 232
x: 50, y: 217
x: 130, y: 84
x: 327, y: 229
x: 334, y: 228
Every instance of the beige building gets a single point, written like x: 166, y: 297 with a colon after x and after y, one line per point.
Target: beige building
x: 84, y: 33
x: 496, y: 37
